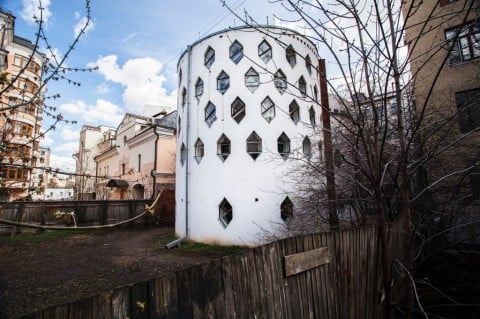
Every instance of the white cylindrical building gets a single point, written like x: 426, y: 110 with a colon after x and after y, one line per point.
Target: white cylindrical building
x: 247, y: 106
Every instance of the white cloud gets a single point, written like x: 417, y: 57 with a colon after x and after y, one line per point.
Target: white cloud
x: 103, y: 88
x: 46, y: 141
x: 68, y: 134
x: 82, y: 23
x: 63, y: 163
x: 128, y: 37
x: 142, y: 80
x: 69, y: 147
x: 31, y: 11
x: 103, y: 112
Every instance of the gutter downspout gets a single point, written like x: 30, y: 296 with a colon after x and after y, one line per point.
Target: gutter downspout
x: 178, y: 241
x: 154, y: 162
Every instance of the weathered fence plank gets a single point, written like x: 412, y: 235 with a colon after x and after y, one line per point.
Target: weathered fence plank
x: 257, y: 284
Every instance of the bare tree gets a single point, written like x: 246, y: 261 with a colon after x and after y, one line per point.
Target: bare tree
x: 390, y: 139
x: 23, y: 82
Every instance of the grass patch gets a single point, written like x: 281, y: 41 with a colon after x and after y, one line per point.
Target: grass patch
x: 209, y: 249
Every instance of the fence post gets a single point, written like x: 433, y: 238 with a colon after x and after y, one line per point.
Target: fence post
x: 104, y: 216
x: 18, y: 218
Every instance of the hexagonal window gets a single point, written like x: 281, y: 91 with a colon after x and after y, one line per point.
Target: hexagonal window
x: 199, y: 150
x: 210, y: 113
x: 268, y: 109
x: 280, y: 81
x: 291, y: 56
x: 223, y: 147
x: 252, y: 80
x: 209, y: 57
x: 225, y: 212
x: 223, y: 82
x: 254, y: 145
x: 308, y: 64
x: 307, y: 147
x: 311, y: 114
x: 184, y: 97
x: 286, y: 210
x: 265, y: 51
x: 199, y: 88
x: 236, y: 52
x: 238, y: 110
x: 294, y: 111
x: 283, y: 145
x: 302, y: 86
x: 183, y: 154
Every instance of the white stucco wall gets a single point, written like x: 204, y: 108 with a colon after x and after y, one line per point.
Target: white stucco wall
x: 254, y: 188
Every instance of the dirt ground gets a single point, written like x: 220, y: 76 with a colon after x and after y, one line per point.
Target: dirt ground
x: 38, y: 270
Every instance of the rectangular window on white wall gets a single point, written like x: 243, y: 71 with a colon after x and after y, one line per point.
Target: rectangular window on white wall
x: 139, y: 162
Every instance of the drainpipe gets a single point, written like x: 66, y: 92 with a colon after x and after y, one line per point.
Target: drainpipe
x: 178, y: 241
x: 154, y: 127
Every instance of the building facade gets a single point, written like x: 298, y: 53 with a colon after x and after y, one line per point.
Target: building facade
x: 247, y: 110
x: 140, y: 160
x: 21, y: 99
x: 443, y: 38
x: 93, y: 141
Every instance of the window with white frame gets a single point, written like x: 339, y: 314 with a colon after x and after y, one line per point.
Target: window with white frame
x: 225, y: 212
x: 209, y: 57
x: 302, y: 86
x: 280, y: 81
x: 291, y: 56
x: 199, y: 88
x: 223, y: 82
x: 252, y: 80
x: 236, y: 52
x: 223, y: 147
x: 254, y: 145
x: 286, y: 210
x: 283, y: 146
x: 307, y: 147
x: 464, y: 41
x: 179, y: 126
x: 265, y: 51
x: 199, y: 150
x: 294, y: 111
x: 238, y: 110
x: 210, y: 113
x: 315, y: 93
x: 268, y: 109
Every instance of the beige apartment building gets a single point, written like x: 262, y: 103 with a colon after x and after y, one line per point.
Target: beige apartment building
x: 140, y: 160
x: 21, y: 103
x: 443, y: 38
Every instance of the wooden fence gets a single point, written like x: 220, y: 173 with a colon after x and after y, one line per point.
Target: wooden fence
x: 87, y: 213
x: 254, y: 284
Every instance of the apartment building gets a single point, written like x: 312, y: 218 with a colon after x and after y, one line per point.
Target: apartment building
x: 93, y: 141
x: 139, y: 161
x: 21, y: 111
x: 443, y: 38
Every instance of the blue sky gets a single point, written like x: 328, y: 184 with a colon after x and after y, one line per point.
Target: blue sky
x: 135, y: 44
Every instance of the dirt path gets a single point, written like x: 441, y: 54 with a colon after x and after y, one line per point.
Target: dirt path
x: 39, y: 270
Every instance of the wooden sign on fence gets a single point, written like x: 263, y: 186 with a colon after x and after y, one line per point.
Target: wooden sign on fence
x: 306, y: 260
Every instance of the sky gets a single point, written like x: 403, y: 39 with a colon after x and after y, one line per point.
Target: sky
x: 134, y: 44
